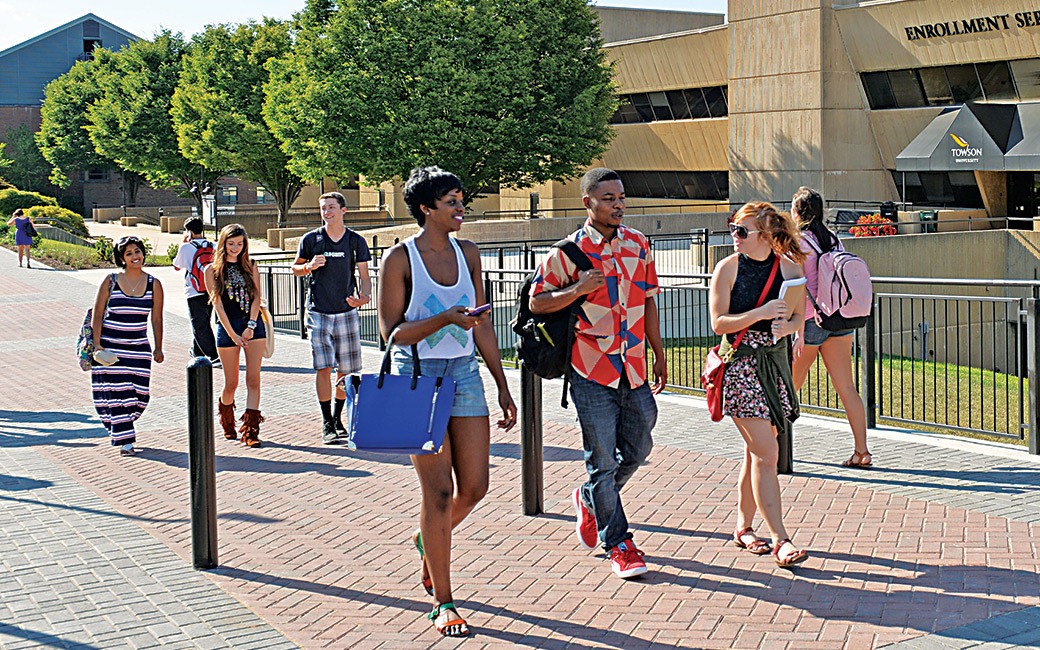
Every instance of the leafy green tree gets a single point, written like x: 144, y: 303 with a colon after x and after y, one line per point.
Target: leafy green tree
x: 63, y: 139
x: 28, y: 168
x: 5, y: 162
x: 510, y: 92
x: 217, y: 106
x: 129, y: 121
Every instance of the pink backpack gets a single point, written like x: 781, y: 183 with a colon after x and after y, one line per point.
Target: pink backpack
x: 845, y: 293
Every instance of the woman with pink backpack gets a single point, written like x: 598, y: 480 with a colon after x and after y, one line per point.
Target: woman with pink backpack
x: 835, y: 345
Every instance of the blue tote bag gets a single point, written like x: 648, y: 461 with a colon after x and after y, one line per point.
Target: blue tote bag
x: 397, y: 414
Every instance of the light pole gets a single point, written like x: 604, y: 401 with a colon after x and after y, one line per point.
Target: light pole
x: 209, y: 204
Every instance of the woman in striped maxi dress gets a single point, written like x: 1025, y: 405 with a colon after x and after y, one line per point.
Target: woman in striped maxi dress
x: 121, y: 389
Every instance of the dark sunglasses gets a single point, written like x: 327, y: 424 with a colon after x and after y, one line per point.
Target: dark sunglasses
x: 740, y: 232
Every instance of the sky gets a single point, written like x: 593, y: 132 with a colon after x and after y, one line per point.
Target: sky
x: 21, y: 20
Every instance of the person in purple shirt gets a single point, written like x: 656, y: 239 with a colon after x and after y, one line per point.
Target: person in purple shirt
x: 22, y: 238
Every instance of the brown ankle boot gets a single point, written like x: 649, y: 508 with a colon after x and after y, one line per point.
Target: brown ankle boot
x: 227, y: 419
x: 250, y: 428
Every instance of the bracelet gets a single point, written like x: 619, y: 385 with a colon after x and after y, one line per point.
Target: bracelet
x: 251, y: 325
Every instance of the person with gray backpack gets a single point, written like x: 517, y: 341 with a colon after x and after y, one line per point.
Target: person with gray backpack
x: 831, y: 316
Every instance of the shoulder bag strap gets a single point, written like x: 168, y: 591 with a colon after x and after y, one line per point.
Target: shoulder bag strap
x: 582, y: 261
x: 761, y: 299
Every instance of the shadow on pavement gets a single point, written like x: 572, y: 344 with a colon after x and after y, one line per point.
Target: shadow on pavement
x: 997, y: 480
x: 33, y: 428
x: 253, y: 464
x: 549, y: 454
x: 44, y: 640
x: 802, y: 588
x: 597, y: 636
x: 19, y: 483
x: 247, y: 517
x: 93, y: 511
x: 648, y: 528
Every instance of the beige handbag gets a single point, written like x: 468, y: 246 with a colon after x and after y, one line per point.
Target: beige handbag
x: 105, y: 357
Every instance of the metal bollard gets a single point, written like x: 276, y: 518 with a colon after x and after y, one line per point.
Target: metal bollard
x: 531, y: 482
x: 868, y: 369
x: 201, y: 466
x: 301, y: 305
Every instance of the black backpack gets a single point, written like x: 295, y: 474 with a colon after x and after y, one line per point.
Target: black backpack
x: 545, y: 340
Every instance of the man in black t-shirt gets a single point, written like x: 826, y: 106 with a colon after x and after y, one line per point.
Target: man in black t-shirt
x: 329, y: 255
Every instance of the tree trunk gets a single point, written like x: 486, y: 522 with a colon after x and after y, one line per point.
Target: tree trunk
x: 285, y: 193
x: 132, y: 182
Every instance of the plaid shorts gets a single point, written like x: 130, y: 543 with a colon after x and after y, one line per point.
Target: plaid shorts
x: 335, y: 341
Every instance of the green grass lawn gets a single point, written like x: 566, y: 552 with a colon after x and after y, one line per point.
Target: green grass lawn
x: 71, y: 256
x: 942, y: 395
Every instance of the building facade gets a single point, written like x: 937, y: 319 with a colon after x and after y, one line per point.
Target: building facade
x: 809, y: 92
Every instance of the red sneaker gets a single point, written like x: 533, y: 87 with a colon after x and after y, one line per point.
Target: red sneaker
x: 626, y: 560
x: 588, y: 535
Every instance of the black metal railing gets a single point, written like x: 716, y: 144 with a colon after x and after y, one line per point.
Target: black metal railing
x: 962, y: 356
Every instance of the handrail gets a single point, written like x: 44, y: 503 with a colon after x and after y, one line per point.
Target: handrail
x: 61, y: 225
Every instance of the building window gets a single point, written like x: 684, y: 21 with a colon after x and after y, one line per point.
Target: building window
x: 1026, y: 73
x: 711, y: 186
x: 227, y: 195
x: 95, y: 176
x: 964, y: 82
x: 996, y: 80
x: 954, y: 189
x: 879, y: 91
x: 685, y: 104
x: 953, y: 84
x: 626, y: 113
x: 659, y: 102
x: 936, y: 86
x: 906, y: 86
x: 263, y: 195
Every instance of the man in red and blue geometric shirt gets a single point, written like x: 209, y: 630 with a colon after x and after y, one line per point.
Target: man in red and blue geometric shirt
x: 609, y: 387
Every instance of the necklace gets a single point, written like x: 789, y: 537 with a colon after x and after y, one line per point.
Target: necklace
x: 133, y: 290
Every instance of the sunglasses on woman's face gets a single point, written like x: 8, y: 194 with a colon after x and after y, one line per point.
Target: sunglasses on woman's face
x: 739, y: 231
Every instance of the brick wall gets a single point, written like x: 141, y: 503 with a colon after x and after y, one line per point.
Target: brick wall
x: 13, y: 116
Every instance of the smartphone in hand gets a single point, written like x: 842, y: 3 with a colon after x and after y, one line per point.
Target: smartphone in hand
x: 477, y: 311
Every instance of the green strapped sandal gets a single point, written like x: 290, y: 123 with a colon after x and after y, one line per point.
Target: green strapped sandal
x: 447, y: 620
x: 427, y: 582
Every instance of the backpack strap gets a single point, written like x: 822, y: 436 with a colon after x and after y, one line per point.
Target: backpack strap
x: 815, y: 245
x: 582, y: 261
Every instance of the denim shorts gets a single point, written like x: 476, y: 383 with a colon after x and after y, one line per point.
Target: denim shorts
x: 239, y: 325
x: 816, y: 335
x: 469, y: 387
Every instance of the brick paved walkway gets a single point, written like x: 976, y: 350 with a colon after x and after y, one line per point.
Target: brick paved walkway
x: 935, y: 548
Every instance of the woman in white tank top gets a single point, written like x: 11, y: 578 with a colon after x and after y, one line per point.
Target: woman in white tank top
x: 427, y: 286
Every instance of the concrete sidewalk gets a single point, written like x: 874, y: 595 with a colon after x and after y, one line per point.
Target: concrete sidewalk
x: 936, y: 547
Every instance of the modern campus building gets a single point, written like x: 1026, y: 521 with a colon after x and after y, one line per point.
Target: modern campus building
x: 929, y: 101
x: 932, y: 100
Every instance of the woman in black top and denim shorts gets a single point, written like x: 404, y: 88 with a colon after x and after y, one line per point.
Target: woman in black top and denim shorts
x: 233, y: 282
x: 758, y: 392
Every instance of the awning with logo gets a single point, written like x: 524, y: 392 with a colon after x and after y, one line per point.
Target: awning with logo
x: 964, y: 138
